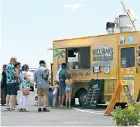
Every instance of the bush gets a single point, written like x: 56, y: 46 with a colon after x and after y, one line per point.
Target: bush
x: 126, y: 117
x: 137, y: 107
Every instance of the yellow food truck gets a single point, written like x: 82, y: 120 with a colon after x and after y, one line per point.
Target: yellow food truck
x: 109, y: 57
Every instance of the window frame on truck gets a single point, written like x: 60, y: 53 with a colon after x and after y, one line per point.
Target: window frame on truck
x: 124, y: 51
x: 79, y: 58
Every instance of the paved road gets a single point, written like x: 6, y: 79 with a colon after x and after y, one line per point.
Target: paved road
x: 57, y: 117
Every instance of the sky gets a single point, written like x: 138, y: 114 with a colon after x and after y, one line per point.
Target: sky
x: 28, y: 27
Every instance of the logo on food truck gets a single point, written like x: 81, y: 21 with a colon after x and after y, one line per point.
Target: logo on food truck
x: 103, y: 53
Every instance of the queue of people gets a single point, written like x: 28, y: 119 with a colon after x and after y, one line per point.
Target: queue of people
x: 15, y: 77
x: 63, y: 84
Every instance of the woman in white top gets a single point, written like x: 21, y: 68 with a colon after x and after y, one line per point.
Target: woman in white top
x: 24, y: 88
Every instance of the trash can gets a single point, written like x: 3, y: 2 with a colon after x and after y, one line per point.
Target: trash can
x: 51, y: 96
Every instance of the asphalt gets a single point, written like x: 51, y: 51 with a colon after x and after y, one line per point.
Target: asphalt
x: 56, y: 117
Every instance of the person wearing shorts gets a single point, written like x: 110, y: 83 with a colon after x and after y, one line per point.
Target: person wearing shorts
x: 42, y: 86
x: 11, y: 77
x: 62, y: 85
x: 68, y: 90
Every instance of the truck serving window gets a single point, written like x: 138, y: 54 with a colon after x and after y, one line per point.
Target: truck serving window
x: 78, y: 58
x: 127, y: 57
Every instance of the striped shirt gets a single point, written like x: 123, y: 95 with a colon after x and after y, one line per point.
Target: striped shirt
x: 40, y: 82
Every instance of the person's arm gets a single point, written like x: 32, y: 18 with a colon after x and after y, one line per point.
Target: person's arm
x: 57, y: 76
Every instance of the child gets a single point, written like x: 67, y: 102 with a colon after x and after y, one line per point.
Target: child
x: 24, y: 89
x: 68, y: 90
x: 55, y: 91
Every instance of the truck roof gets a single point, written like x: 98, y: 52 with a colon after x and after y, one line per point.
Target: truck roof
x: 95, y: 36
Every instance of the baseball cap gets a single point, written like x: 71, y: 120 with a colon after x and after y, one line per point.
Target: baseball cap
x: 42, y: 62
x: 63, y: 65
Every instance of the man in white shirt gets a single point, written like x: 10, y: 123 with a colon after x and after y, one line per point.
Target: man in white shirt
x: 57, y: 75
x: 55, y: 100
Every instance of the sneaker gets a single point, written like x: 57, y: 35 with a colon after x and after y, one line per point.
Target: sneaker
x: 12, y: 109
x: 25, y: 110
x: 20, y: 110
x: 39, y: 110
x: 7, y: 109
x: 3, y: 105
x: 46, y: 110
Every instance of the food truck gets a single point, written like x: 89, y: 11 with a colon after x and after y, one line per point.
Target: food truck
x: 111, y: 58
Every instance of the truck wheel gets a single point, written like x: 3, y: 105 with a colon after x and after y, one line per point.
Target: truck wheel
x: 82, y: 96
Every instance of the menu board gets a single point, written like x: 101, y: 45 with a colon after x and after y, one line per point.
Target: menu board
x: 128, y: 95
x: 95, y: 96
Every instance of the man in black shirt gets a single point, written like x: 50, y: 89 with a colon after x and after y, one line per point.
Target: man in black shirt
x: 3, y: 86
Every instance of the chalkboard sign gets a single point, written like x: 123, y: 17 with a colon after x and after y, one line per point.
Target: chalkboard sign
x: 128, y: 95
x: 94, y: 93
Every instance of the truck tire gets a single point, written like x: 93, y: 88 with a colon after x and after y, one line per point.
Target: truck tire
x: 82, y: 96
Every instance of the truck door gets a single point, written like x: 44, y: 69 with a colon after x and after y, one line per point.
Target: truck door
x: 128, y: 69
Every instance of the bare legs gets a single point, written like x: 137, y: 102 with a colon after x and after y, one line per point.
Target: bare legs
x: 61, y: 101
x: 70, y: 92
x: 7, y: 100
x: 13, y: 101
x: 68, y: 98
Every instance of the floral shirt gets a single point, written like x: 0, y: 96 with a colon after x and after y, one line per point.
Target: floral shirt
x: 24, y: 83
x: 41, y: 83
x: 10, y: 74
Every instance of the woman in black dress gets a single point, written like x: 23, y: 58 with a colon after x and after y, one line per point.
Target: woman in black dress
x: 3, y: 86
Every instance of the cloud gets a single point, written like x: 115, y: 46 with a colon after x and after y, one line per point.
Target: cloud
x: 73, y: 6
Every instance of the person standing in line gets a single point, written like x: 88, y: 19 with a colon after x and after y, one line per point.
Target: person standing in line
x: 47, y: 102
x: 56, y: 84
x: 11, y: 77
x: 69, y: 83
x: 3, y: 86
x: 41, y: 79
x: 17, y: 67
x: 24, y: 88
x: 55, y: 93
x: 62, y: 85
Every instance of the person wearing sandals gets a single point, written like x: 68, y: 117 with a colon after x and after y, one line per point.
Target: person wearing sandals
x: 11, y: 82
x: 41, y: 79
x: 24, y: 88
x: 68, y: 89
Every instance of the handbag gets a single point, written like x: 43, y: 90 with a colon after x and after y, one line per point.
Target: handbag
x: 26, y: 91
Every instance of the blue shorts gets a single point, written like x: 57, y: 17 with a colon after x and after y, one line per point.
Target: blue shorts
x: 12, y: 89
x: 68, y: 88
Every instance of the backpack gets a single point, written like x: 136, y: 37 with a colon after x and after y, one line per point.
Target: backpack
x: 45, y: 74
x: 62, y: 75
